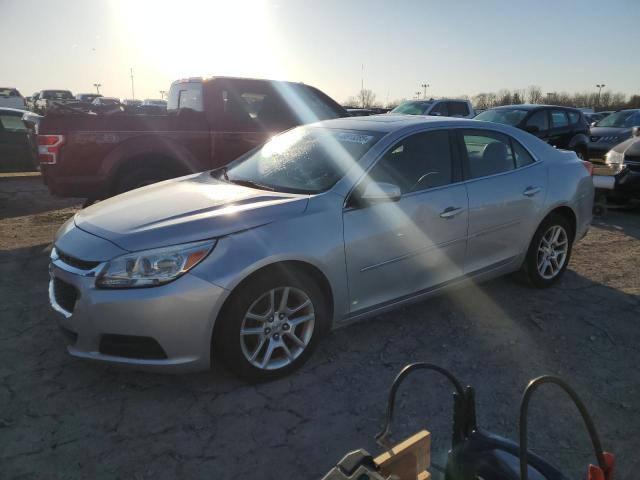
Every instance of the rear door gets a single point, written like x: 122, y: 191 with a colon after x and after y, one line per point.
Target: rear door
x: 247, y: 113
x: 560, y: 131
x: 395, y: 249
x: 506, y: 189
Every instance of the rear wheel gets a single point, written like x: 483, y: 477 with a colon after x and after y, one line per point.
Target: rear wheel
x: 271, y: 326
x: 549, y: 252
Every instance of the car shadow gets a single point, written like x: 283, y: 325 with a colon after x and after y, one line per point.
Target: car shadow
x: 626, y: 220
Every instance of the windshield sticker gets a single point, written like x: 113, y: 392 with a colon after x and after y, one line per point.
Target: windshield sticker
x: 354, y: 138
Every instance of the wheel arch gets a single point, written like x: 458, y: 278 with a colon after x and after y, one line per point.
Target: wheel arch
x: 286, y: 267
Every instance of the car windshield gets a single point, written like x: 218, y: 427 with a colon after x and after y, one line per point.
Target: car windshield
x: 57, y: 95
x: 412, y: 108
x: 622, y: 119
x: 302, y: 160
x: 505, y: 116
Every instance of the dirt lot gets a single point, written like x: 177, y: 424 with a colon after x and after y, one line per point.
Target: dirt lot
x: 64, y: 418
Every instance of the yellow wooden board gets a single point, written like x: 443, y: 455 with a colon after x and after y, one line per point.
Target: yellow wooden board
x: 409, y: 459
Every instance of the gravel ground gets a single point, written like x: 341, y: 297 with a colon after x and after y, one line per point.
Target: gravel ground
x: 64, y: 418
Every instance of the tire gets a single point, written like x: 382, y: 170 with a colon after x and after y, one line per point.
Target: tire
x: 534, y: 269
x: 245, y: 354
x: 141, y: 177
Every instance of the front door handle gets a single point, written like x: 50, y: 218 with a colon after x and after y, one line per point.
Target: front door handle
x: 451, y: 212
x: 530, y: 191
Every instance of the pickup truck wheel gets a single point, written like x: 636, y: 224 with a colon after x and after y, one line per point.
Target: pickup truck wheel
x: 141, y: 177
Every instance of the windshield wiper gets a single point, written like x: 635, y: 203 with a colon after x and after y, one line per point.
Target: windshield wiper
x: 249, y: 183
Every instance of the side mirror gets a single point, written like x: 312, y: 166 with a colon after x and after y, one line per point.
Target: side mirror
x: 593, y: 124
x: 435, y: 114
x: 532, y: 128
x: 380, y: 192
x: 635, y: 132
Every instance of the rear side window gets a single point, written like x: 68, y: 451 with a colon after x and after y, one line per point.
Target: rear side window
x: 523, y: 158
x: 418, y: 162
x: 255, y: 107
x: 185, y: 95
x: 12, y: 123
x: 558, y: 119
x: 488, y: 153
x: 458, y: 109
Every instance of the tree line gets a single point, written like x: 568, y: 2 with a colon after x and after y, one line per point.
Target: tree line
x: 606, y: 100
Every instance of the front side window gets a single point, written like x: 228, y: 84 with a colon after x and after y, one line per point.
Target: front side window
x: 412, y: 108
x: 573, y: 117
x: 488, y: 153
x: 419, y: 162
x: 558, y: 119
x: 505, y: 116
x: 458, y: 109
x: 540, y: 120
x: 621, y: 119
x: 440, y: 109
x: 303, y: 160
x: 185, y: 95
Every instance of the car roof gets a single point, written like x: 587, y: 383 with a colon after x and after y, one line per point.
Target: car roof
x: 13, y: 110
x: 531, y: 106
x: 386, y: 123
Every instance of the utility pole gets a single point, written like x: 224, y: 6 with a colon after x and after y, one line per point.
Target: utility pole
x: 362, y: 85
x: 97, y: 85
x: 162, y: 92
x: 599, y: 87
x: 133, y: 95
x: 425, y: 86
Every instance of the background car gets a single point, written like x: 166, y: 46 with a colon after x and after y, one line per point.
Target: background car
x: 624, y: 163
x: 612, y: 130
x: 45, y: 99
x: 11, y: 98
x: 153, y: 106
x: 17, y: 149
x: 129, y: 102
x: 87, y: 97
x: 562, y: 127
x: 325, y: 224
x: 360, y: 112
x: 443, y: 107
x: 105, y: 101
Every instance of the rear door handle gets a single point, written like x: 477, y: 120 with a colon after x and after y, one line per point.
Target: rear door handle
x: 531, y: 191
x: 451, y: 212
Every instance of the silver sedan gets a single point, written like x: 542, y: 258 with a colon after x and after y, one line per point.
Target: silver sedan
x: 325, y: 224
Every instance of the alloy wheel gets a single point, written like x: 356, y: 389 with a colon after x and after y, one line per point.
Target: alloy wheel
x: 552, y: 252
x: 277, y: 328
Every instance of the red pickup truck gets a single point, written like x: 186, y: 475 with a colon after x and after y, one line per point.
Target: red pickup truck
x: 208, y: 123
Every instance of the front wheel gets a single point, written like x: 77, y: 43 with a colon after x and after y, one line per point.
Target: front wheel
x: 549, y: 252
x: 272, y: 326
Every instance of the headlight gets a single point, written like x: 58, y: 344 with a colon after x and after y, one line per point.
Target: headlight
x: 150, y: 268
x: 614, y: 158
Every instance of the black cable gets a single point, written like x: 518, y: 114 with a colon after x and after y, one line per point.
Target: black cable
x: 380, y: 437
x: 524, y: 410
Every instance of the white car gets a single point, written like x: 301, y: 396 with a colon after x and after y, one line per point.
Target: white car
x: 11, y: 98
x: 443, y: 107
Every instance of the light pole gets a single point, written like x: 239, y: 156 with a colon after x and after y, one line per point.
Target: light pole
x: 418, y: 95
x: 97, y: 85
x: 162, y: 92
x: 599, y: 87
x: 425, y: 86
x: 133, y: 95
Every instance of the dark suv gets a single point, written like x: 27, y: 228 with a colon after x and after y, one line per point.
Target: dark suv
x: 561, y: 127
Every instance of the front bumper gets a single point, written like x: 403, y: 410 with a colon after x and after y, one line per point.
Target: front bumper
x: 178, y: 316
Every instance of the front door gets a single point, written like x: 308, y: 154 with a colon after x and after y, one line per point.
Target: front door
x: 506, y: 190
x: 395, y: 249
x: 560, y: 132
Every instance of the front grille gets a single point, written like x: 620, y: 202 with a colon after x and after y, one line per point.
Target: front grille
x: 76, y: 262
x: 130, y: 346
x: 65, y: 294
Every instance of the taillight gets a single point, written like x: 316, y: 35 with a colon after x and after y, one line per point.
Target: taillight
x: 588, y: 166
x: 49, y: 148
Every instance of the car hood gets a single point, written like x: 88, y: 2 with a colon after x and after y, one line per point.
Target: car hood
x: 609, y: 132
x: 184, y: 210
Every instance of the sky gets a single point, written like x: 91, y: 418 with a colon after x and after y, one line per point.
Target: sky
x: 460, y: 47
